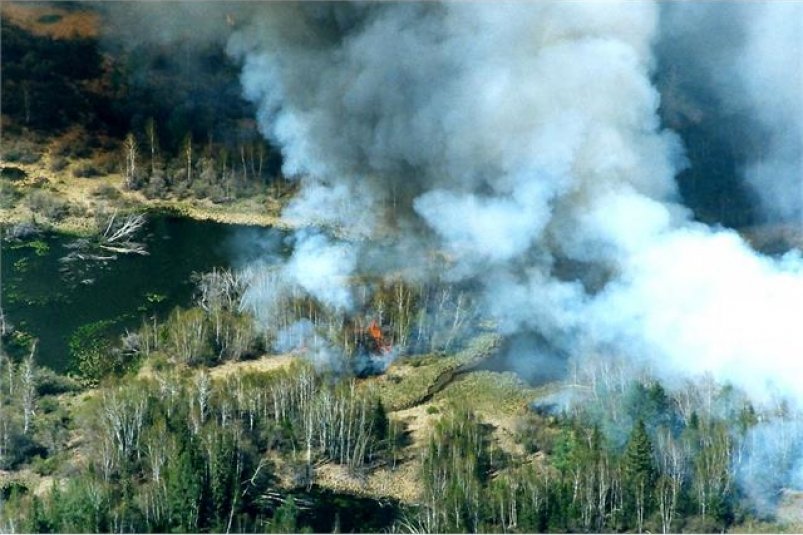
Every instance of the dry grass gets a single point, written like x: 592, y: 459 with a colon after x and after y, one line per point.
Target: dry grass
x: 264, y: 364
x: 408, y: 381
x: 402, y: 484
x: 51, y: 21
x: 27, y: 478
x: 79, y: 192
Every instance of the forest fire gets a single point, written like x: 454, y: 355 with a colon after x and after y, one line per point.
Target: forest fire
x: 375, y: 333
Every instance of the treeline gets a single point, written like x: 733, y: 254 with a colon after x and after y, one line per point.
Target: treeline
x: 174, y: 114
x: 188, y: 453
x: 45, y: 80
x: 699, y: 459
x: 239, y: 315
x: 220, y: 170
x: 53, y: 83
x: 413, y: 317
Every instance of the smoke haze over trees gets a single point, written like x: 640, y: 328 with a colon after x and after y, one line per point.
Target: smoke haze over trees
x: 520, y: 138
x: 571, y: 175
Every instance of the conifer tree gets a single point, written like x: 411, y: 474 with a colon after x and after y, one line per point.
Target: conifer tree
x: 640, y: 472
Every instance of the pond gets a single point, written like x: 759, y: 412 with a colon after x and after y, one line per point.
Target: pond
x: 49, y: 299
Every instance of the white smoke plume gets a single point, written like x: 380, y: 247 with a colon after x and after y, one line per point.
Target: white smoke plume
x: 523, y: 141
x: 514, y: 136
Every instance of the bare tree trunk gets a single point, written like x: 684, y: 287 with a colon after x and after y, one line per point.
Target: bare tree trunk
x: 130, y: 147
x: 3, y: 325
x: 28, y: 384
x: 188, y: 155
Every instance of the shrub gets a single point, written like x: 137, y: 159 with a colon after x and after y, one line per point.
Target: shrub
x: 29, y: 157
x: 48, y: 205
x: 58, y: 163
x: 11, y: 155
x: 9, y: 196
x: 50, y: 383
x: 13, y: 174
x: 86, y: 170
x: 107, y: 165
x: 181, y: 190
x: 199, y: 189
x: 217, y: 194
x: 106, y: 191
x: 156, y: 187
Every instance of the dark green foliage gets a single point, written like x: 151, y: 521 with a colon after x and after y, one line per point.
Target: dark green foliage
x: 381, y: 422
x: 189, y: 455
x: 12, y: 174
x: 184, y: 481
x: 455, y: 468
x: 285, y: 519
x: 638, y: 457
x: 42, y: 78
x: 649, y: 404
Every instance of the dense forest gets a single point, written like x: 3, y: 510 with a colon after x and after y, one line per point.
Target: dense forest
x: 144, y: 436
x: 133, y: 111
x: 253, y: 405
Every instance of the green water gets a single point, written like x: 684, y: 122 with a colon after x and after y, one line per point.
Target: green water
x: 49, y: 299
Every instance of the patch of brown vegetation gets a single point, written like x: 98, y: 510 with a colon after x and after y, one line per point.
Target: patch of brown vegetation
x: 73, y: 23
x: 401, y: 483
x: 267, y: 363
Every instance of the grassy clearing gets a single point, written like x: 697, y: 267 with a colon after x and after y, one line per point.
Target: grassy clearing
x: 488, y: 393
x: 411, y: 380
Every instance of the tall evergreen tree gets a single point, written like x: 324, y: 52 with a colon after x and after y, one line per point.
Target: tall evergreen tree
x: 640, y: 472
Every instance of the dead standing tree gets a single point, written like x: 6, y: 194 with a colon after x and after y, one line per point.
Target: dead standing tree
x: 131, y: 151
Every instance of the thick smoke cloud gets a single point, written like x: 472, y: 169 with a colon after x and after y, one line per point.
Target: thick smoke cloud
x: 523, y: 140
x: 741, y: 64
x: 514, y: 137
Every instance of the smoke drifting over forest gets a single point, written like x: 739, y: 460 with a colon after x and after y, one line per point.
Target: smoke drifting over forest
x: 516, y: 136
x: 521, y: 138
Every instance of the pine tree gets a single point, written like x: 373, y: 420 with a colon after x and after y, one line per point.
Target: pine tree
x: 640, y: 472
x: 184, y: 491
x: 285, y: 520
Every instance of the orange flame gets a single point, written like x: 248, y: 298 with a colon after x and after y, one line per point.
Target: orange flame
x: 376, y: 334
